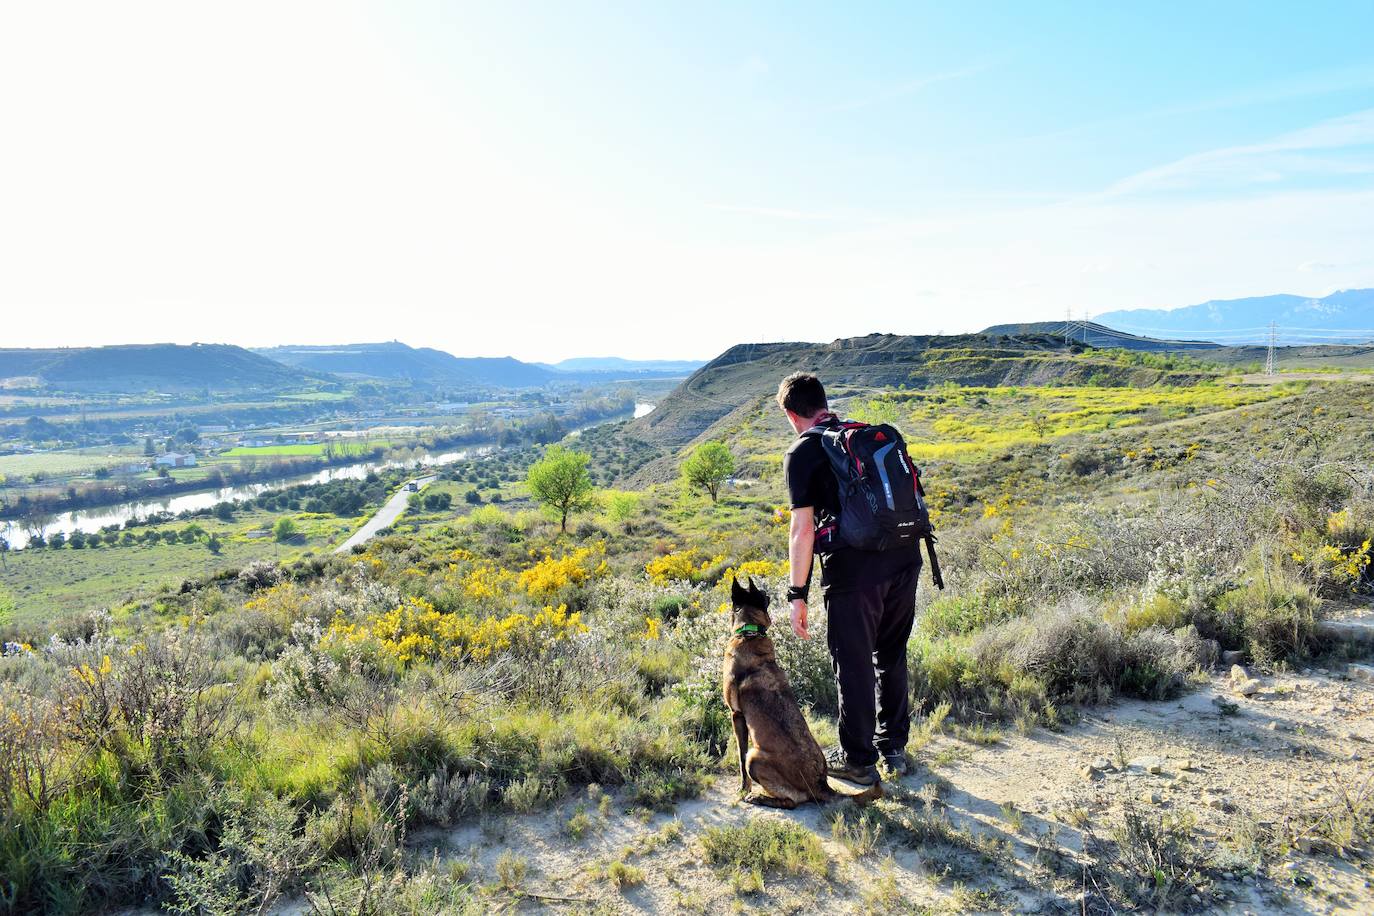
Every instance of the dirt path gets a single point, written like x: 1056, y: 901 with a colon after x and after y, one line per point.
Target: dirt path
x: 1002, y: 828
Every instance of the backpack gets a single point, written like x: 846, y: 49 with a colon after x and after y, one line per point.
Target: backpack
x: 882, y: 502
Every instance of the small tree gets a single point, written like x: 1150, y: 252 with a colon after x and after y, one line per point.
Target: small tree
x: 709, y: 465
x: 621, y: 505
x: 560, y: 482
x: 284, y: 529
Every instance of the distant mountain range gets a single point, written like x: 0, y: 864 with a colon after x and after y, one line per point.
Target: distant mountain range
x: 228, y: 368
x: 144, y: 367
x: 396, y: 361
x: 616, y: 364
x: 1343, y: 317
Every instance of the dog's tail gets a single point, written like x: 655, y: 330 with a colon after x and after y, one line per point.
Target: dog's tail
x: 859, y: 795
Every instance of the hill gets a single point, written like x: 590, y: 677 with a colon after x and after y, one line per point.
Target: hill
x: 478, y: 712
x: 141, y: 367
x: 620, y: 365
x: 1342, y: 317
x: 395, y: 360
x: 1096, y: 335
x: 744, y: 374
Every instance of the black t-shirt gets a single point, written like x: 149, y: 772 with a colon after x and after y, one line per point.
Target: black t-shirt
x: 811, y: 482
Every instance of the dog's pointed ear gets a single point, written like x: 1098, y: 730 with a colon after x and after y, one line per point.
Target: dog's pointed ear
x: 761, y: 598
x: 737, y: 593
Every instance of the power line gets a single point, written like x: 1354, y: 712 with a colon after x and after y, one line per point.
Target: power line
x: 1273, y: 338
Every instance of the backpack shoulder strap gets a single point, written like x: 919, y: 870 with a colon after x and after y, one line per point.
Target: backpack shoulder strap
x: 830, y: 434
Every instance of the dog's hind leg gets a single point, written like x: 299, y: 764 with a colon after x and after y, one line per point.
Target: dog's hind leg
x: 776, y: 787
x: 769, y: 801
x: 742, y: 739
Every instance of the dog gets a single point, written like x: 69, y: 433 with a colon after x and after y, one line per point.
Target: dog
x: 779, y: 758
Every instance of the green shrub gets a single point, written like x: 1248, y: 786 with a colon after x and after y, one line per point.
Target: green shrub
x: 1274, y: 618
x: 766, y: 844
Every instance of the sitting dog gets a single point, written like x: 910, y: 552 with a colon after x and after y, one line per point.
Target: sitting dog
x: 778, y: 756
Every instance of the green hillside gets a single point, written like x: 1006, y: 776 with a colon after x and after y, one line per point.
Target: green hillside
x: 746, y: 373
x: 142, y: 367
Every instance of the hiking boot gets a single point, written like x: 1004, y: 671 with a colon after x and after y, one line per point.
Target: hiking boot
x: 837, y: 764
x: 896, y: 762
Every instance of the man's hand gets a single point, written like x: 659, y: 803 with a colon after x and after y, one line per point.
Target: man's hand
x: 799, y: 619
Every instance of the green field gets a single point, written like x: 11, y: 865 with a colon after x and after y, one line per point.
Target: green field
x: 62, y: 463
x: 41, y: 585
x: 478, y: 666
x: 317, y: 396
x: 312, y: 448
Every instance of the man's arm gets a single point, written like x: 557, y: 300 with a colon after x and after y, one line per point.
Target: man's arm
x: 801, y: 544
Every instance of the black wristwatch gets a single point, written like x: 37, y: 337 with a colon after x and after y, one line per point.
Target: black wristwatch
x: 797, y: 593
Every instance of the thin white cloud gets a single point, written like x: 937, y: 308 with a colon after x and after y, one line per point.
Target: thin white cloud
x: 1267, y: 162
x: 1303, y: 85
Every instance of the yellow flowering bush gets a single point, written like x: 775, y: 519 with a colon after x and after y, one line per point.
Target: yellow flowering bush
x: 675, y: 565
x: 552, y: 574
x: 415, y: 631
x: 680, y: 565
x: 484, y: 581
x: 1347, y: 566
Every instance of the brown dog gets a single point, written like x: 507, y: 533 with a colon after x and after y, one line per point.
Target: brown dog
x: 777, y: 753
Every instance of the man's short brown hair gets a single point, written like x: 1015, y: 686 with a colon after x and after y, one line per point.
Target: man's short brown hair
x: 803, y: 394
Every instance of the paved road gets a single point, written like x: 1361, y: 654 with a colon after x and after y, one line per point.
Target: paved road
x: 386, y: 515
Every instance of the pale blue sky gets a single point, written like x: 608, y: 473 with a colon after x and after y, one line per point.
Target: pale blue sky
x: 654, y: 179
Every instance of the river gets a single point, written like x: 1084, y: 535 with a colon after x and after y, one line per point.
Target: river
x: 91, y: 520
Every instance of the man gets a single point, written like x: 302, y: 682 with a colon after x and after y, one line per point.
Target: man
x: 869, y: 596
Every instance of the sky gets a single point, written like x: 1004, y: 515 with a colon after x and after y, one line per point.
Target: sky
x: 664, y: 180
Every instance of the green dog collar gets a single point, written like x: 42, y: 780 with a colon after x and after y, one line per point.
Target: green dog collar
x: 749, y: 629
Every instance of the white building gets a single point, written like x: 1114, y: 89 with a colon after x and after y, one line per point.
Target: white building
x: 175, y: 460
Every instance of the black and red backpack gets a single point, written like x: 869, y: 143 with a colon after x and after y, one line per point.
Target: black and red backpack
x: 882, y: 502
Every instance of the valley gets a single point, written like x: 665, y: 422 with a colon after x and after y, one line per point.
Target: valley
x: 1143, y: 689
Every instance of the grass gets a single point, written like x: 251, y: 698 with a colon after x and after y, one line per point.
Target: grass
x: 963, y: 423
x: 45, y: 584
x: 18, y: 468
x: 766, y: 845
x: 859, y: 832
x: 408, y: 686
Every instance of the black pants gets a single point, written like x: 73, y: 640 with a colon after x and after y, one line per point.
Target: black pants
x: 867, y: 629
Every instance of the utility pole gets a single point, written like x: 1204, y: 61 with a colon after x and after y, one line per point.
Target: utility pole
x: 1273, y: 340
x: 1068, y: 324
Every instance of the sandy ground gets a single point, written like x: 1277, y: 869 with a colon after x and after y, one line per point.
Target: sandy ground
x: 1229, y: 762
x: 999, y: 827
